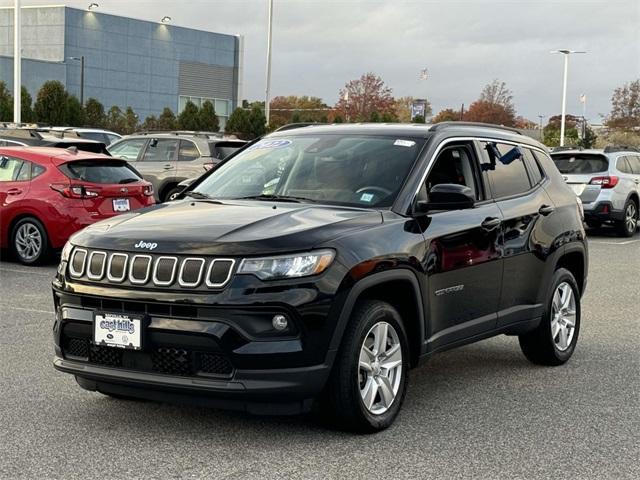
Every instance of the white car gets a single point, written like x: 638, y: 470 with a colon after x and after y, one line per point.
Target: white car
x: 98, y: 134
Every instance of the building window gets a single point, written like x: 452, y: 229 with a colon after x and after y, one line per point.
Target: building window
x: 222, y: 106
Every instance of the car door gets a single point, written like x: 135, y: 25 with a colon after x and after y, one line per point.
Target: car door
x: 190, y: 163
x: 14, y: 188
x: 634, y: 164
x: 159, y: 163
x: 517, y: 186
x: 462, y: 263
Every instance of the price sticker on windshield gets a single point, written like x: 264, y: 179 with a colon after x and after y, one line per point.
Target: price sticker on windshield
x: 270, y: 144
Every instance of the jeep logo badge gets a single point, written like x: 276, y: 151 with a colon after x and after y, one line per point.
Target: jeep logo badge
x: 148, y: 246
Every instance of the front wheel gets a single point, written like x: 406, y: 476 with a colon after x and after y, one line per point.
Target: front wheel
x: 554, y: 340
x: 369, y: 378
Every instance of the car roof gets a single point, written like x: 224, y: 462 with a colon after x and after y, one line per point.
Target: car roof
x: 587, y: 151
x: 415, y: 130
x: 82, y: 129
x: 55, y: 155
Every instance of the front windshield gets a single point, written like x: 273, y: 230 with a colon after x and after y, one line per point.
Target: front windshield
x: 354, y: 170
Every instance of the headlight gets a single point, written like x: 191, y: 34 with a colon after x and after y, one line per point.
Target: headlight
x: 288, y: 266
x: 66, y: 251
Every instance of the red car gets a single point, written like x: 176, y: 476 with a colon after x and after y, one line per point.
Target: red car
x: 47, y: 194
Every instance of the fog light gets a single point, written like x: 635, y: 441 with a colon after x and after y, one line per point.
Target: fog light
x: 279, y: 322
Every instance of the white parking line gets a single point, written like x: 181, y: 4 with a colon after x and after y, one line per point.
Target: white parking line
x: 627, y: 242
x: 15, y: 270
x: 34, y: 310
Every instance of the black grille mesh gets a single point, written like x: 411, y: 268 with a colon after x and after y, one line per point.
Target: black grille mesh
x: 108, y: 356
x: 77, y: 347
x: 215, y: 363
x: 175, y: 361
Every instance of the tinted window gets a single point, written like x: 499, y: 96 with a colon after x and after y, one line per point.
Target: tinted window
x: 111, y: 138
x: 36, y: 170
x: 10, y: 169
x: 364, y: 171
x: 454, y: 165
x: 97, y: 136
x: 578, y: 163
x: 507, y: 172
x: 188, y: 151
x: 224, y: 149
x: 127, y: 149
x: 535, y: 172
x: 100, y: 171
x: 623, y: 165
x: 160, y: 151
x: 634, y: 161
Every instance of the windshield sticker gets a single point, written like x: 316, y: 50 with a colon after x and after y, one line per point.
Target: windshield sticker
x: 404, y: 143
x: 366, y: 197
x: 265, y: 144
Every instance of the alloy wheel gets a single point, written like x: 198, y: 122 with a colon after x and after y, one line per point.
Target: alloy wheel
x: 380, y: 368
x: 563, y: 316
x: 28, y: 241
x: 631, y: 217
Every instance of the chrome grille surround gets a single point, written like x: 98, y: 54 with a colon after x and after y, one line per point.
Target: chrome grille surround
x: 160, y: 271
x: 90, y: 275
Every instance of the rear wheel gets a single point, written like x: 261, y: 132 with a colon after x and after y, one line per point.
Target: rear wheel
x: 627, y: 226
x: 369, y: 379
x: 554, y: 340
x: 172, y: 192
x: 29, y: 241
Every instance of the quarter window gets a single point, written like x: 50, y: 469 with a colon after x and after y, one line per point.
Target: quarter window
x: 634, y: 161
x: 188, y: 151
x: 506, y: 169
x: 535, y: 172
x: 36, y: 171
x: 623, y: 165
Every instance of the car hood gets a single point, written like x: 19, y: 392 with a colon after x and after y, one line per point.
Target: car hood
x: 225, y: 228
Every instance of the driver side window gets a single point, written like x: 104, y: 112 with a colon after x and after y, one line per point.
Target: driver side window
x: 454, y: 164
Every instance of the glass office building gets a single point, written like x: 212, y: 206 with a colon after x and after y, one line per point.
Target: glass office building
x: 128, y: 62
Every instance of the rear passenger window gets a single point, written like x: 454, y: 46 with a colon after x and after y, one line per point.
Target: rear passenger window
x: 634, y: 162
x: 506, y: 169
x: 25, y: 172
x: 10, y: 169
x: 535, y: 172
x: 623, y: 165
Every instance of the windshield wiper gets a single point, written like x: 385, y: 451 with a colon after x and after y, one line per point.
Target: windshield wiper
x: 198, y: 195
x: 277, y: 198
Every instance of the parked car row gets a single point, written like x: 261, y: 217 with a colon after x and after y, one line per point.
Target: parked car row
x: 607, y: 182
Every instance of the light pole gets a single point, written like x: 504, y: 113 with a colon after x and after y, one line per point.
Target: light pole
x: 81, y: 60
x: 17, y: 64
x: 566, y: 54
x: 268, y: 87
x: 541, y: 117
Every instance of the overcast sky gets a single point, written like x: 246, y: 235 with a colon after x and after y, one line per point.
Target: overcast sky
x: 319, y: 45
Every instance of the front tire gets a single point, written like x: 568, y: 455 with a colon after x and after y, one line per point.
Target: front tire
x: 627, y: 226
x: 554, y: 340
x: 30, y: 242
x: 370, y: 375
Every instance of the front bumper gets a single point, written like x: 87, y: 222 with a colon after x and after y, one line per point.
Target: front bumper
x: 277, y: 391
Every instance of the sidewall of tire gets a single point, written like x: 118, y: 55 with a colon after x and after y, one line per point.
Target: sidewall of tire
x: 622, y: 225
x: 44, y: 251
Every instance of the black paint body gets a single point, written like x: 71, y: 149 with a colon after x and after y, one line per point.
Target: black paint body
x: 457, y: 281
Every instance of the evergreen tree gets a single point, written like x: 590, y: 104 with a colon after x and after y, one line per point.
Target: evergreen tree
x: 116, y: 120
x: 188, y: 118
x: 94, y: 113
x: 130, y: 121
x: 167, y: 120
x: 208, y: 120
x: 26, y: 111
x: 238, y: 123
x: 257, y: 122
x: 150, y: 123
x: 51, y: 103
x: 75, y: 113
x: 6, y: 103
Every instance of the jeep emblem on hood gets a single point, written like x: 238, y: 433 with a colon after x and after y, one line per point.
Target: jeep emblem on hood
x: 148, y: 246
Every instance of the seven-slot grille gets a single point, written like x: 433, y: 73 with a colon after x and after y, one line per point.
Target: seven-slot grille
x: 163, y: 271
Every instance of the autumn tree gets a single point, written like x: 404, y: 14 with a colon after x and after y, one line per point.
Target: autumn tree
x: 51, y: 103
x: 94, y: 115
x: 446, y: 115
x: 308, y: 109
x: 495, y: 106
x: 625, y: 107
x: 524, y: 123
x: 360, y: 98
x: 551, y: 132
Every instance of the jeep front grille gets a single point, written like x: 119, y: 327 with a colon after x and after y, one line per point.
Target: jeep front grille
x: 156, y: 271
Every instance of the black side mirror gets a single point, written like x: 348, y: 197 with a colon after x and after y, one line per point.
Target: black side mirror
x: 154, y: 142
x: 446, y: 196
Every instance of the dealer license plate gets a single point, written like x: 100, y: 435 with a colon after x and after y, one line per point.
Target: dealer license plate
x: 117, y: 330
x: 121, y: 205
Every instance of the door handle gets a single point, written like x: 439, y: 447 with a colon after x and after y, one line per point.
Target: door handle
x: 546, y: 210
x: 168, y: 166
x: 490, y: 223
x: 14, y: 191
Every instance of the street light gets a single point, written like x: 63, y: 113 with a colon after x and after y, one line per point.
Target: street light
x: 267, y: 99
x: 566, y: 54
x: 17, y: 63
x: 165, y: 19
x: 92, y: 6
x: 81, y: 60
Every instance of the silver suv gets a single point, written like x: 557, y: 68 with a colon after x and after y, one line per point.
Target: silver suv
x: 608, y: 183
x: 166, y: 159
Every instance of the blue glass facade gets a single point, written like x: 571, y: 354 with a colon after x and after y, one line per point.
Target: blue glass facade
x: 128, y: 62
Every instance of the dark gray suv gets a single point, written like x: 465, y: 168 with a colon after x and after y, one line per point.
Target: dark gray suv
x: 167, y: 158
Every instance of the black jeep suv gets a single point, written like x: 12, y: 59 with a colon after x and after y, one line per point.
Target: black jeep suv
x: 323, y: 263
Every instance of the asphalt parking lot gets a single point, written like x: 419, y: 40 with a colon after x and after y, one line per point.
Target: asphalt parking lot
x: 481, y: 411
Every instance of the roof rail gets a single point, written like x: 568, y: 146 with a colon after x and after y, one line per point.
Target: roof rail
x: 191, y: 133
x: 440, y: 125
x: 291, y: 126
x: 620, y: 148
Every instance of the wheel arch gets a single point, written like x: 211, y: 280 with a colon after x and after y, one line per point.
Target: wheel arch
x: 401, y: 289
x: 574, y: 259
